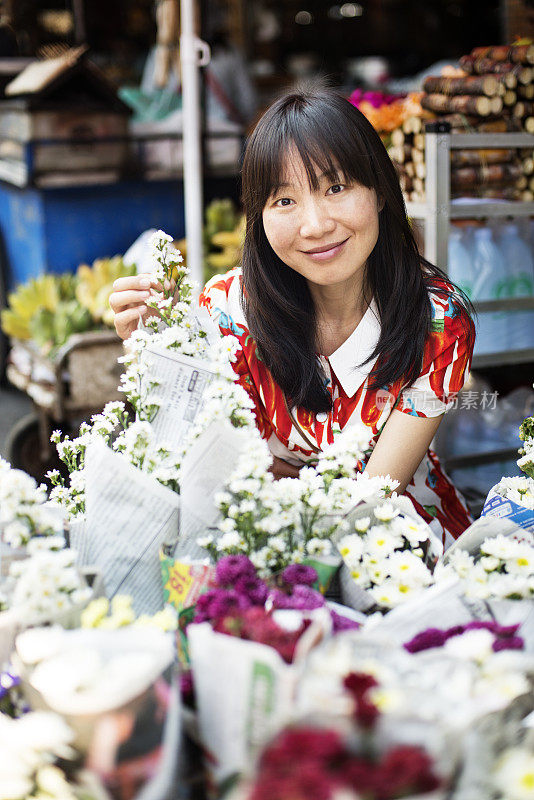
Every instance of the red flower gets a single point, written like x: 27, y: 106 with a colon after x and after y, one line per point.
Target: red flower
x: 294, y: 744
x: 358, y: 684
x: 404, y: 769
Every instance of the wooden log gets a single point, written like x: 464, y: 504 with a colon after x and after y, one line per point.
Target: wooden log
x: 461, y: 104
x: 522, y: 182
x: 401, y: 154
x: 526, y: 92
x: 487, y: 85
x: 418, y: 185
x: 489, y: 192
x: 509, y: 72
x: 531, y: 184
x: 527, y: 196
x: 419, y: 141
x: 397, y: 137
x: 527, y: 165
x: 409, y: 168
x: 461, y: 122
x: 519, y: 54
x: 493, y: 173
x: 528, y: 124
x: 412, y: 125
x: 509, y: 97
x: 496, y: 105
x: 525, y: 108
x: 461, y: 158
x: 502, y: 125
x: 418, y: 156
x: 418, y: 197
x: 420, y: 170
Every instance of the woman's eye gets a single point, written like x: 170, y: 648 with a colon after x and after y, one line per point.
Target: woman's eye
x: 336, y: 188
x: 283, y: 202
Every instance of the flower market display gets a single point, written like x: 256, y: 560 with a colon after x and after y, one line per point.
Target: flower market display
x: 50, y: 308
x: 309, y: 634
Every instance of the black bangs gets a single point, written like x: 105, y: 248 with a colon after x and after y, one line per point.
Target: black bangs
x: 323, y: 132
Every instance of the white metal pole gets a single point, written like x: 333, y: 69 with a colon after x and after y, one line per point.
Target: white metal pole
x: 193, y: 54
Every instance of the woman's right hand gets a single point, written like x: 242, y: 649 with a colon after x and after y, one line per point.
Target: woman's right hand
x: 128, y: 301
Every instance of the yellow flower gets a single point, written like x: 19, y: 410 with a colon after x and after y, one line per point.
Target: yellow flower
x: 95, y: 612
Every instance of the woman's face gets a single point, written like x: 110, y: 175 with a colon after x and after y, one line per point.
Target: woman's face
x: 325, y: 235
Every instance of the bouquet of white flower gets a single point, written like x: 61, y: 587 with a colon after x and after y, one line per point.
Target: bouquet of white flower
x: 47, y: 587
x: 514, y: 497
x: 501, y: 568
x: 526, y: 434
x: 183, y: 333
x: 23, y: 514
x: 389, y: 557
x: 277, y: 523
x: 27, y: 747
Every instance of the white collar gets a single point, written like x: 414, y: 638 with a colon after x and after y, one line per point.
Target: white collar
x: 355, y: 350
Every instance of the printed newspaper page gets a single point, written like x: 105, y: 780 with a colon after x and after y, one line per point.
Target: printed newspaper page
x: 129, y: 516
x: 182, y: 381
x: 205, y: 469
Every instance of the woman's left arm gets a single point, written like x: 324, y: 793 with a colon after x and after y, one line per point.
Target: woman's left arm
x: 401, y: 447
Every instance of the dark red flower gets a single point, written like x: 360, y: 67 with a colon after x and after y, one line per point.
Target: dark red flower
x: 404, y: 769
x: 315, y: 744
x: 357, y: 683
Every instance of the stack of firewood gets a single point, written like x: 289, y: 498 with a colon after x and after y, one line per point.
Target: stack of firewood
x: 493, y: 92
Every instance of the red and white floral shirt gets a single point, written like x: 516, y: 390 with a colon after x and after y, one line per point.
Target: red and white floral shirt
x: 446, y: 362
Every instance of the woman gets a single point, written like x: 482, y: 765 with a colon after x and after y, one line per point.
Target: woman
x: 340, y: 319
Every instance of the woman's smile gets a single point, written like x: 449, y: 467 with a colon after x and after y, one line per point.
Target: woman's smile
x: 326, y: 251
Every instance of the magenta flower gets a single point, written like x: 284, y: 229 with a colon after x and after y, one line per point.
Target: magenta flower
x: 299, y: 574
x: 230, y: 568
x: 217, y: 603
x: 303, y: 598
x: 341, y: 623
x: 432, y: 637
x: 254, y: 588
x: 508, y: 643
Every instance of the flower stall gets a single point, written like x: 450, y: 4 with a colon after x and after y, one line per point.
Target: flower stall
x: 307, y: 635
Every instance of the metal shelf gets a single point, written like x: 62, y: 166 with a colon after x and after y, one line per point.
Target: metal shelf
x: 476, y: 459
x: 503, y: 358
x: 438, y: 211
x: 506, y: 304
x: 473, y: 141
x: 475, y: 209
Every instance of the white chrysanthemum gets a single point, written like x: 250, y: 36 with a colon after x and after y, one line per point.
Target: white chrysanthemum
x: 408, y: 568
x: 351, y: 548
x: 361, y: 525
x: 412, y: 531
x: 380, y: 542
x: 385, y: 512
x: 319, y: 547
x: 229, y: 541
x: 475, y: 645
x: 387, y: 594
x: 499, y: 546
x: 513, y: 774
x: 461, y: 562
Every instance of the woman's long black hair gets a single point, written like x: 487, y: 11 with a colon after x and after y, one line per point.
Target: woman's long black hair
x: 332, y: 137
